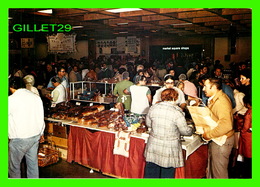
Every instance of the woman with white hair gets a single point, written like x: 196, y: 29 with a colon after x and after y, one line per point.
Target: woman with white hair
x: 29, y: 82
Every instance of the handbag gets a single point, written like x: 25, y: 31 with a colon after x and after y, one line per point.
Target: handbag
x: 130, y: 119
x: 48, y: 155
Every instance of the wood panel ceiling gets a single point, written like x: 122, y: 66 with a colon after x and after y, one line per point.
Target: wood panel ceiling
x: 99, y: 24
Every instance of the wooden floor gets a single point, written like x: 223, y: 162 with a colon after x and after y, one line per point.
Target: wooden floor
x: 63, y: 169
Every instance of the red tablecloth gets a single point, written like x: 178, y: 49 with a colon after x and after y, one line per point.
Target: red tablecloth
x: 95, y: 149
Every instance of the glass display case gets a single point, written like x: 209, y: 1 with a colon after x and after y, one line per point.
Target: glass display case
x: 96, y: 92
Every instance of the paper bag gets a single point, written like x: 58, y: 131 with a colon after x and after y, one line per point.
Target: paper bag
x: 201, y: 116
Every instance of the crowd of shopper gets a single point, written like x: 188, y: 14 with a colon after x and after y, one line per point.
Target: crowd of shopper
x: 226, y: 91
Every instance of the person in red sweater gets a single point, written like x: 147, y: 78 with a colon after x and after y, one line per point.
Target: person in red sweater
x: 245, y: 142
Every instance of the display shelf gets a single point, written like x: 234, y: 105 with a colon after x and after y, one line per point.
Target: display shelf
x: 83, y: 86
x: 74, y: 124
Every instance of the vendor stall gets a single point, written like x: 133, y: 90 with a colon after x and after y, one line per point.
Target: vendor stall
x: 113, y: 142
x: 93, y: 147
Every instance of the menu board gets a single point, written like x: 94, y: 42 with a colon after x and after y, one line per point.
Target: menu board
x: 61, y: 43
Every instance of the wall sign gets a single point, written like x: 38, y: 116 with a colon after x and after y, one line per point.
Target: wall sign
x: 181, y: 48
x: 119, y: 45
x: 61, y: 43
x: 27, y: 42
x: 120, y: 41
x: 131, y: 43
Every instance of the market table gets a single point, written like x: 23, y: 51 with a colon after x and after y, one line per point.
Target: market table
x: 94, y: 148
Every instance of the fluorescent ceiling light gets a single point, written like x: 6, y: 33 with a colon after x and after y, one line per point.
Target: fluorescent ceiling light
x: 77, y: 27
x: 47, y: 11
x: 122, y: 23
x: 181, y: 24
x: 10, y: 18
x: 118, y: 10
x: 123, y: 32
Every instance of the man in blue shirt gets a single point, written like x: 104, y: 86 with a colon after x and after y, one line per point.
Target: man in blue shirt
x: 64, y: 81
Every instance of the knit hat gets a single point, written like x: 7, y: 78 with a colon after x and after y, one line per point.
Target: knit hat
x: 190, y: 89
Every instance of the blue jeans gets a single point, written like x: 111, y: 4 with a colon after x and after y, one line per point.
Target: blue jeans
x: 152, y: 170
x: 20, y: 147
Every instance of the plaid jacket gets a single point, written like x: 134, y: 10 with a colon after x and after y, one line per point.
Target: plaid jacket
x: 167, y: 123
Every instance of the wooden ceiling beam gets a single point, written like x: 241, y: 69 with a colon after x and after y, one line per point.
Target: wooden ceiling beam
x: 194, y: 27
x: 171, y: 10
x: 96, y: 16
x: 94, y: 9
x: 217, y: 23
x: 70, y: 20
x: 170, y: 22
x: 68, y: 12
x: 158, y: 19
x: 135, y: 13
x: 155, y: 18
x: 233, y: 11
x: 183, y: 26
x: 91, y: 24
x: 246, y: 21
x: 242, y: 16
x: 222, y: 27
x: 208, y: 19
x: 143, y: 24
x: 196, y: 14
x: 119, y: 20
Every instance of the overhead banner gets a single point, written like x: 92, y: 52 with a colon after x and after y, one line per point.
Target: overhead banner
x: 61, y: 43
